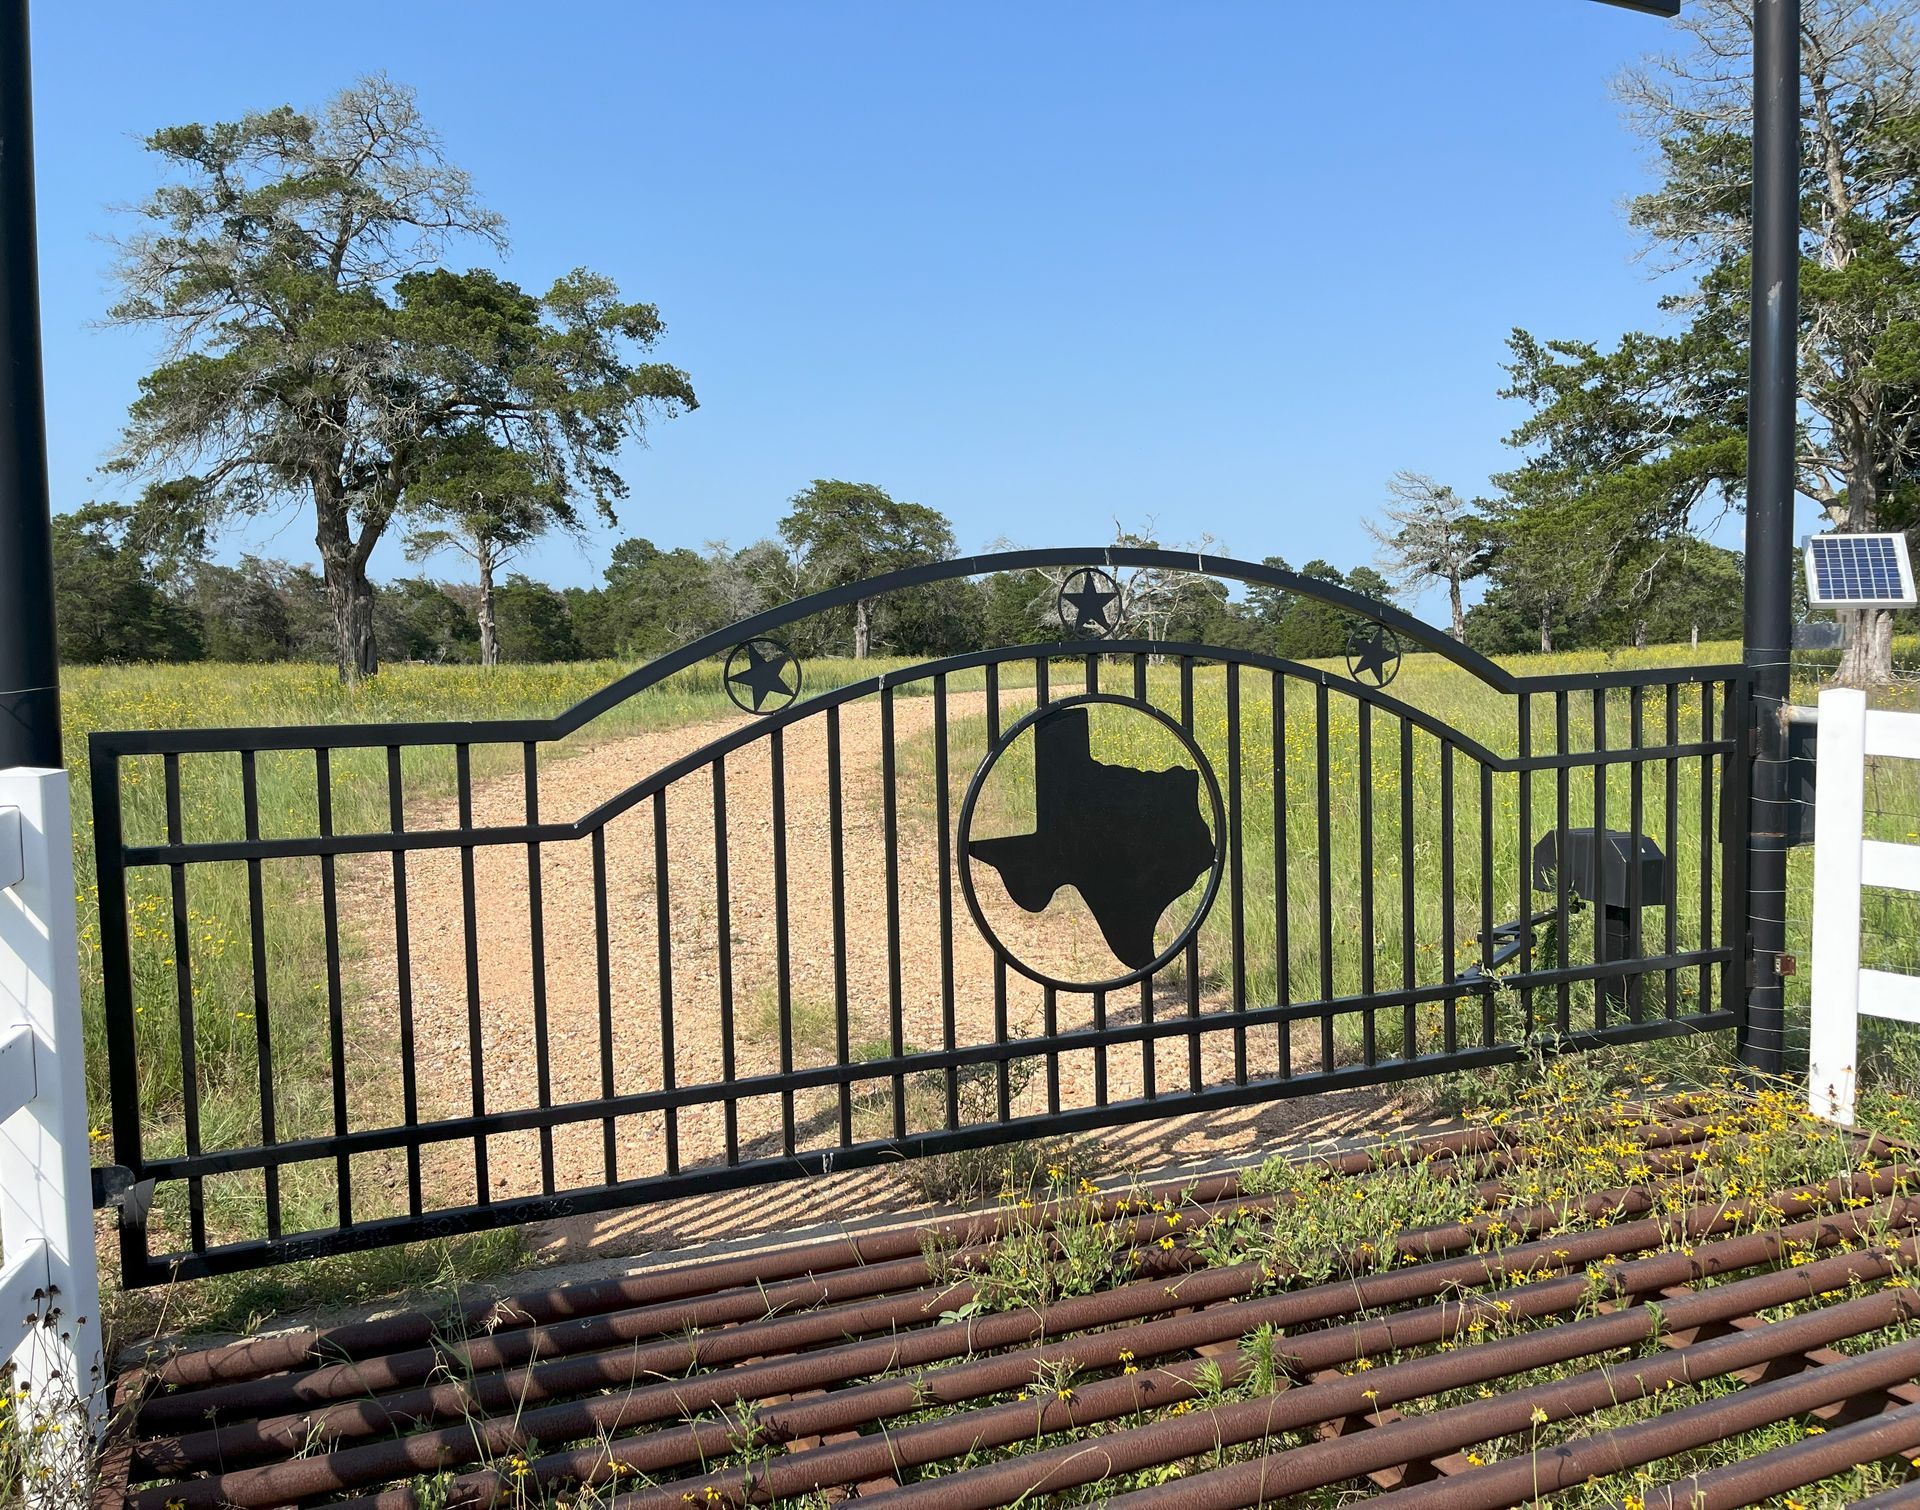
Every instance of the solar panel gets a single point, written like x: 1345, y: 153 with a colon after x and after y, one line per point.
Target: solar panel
x: 1849, y: 571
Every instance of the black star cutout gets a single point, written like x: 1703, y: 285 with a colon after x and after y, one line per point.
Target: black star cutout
x: 1090, y: 600
x: 764, y: 675
x: 1377, y: 655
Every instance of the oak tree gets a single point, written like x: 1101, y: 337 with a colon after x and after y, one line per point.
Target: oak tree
x: 317, y: 352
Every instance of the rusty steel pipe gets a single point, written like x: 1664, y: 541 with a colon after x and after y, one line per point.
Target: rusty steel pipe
x: 956, y: 1383
x: 389, y: 1371
x: 1168, y: 1440
x: 1627, y: 1447
x: 258, y: 1357
x: 1076, y: 1464
x: 747, y: 1303
x: 431, y: 1451
x: 755, y: 1316
x: 1420, y: 1438
x: 1781, y: 1469
x: 512, y: 1392
x: 1105, y: 1399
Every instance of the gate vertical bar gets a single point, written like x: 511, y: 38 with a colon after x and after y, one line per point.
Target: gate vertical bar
x: 603, y: 983
x: 476, y: 1050
x: 1523, y: 865
x: 663, y: 931
x: 1195, y: 1073
x: 187, y: 1017
x: 116, y: 969
x: 1323, y: 835
x: 1149, y: 1045
x: 1562, y: 809
x: 1450, y: 1024
x: 1099, y: 1002
x: 723, y: 949
x: 262, y: 995
x: 1409, y: 919
x: 1237, y: 866
x: 942, y: 800
x: 837, y: 873
x: 1772, y: 405
x: 1002, y: 1073
x: 537, y: 960
x: 1636, y: 820
x: 1707, y: 867
x: 896, y: 1018
x: 336, y: 1004
x: 1670, y: 938
x: 403, y: 978
x: 1488, y: 1020
x: 782, y: 942
x: 1282, y: 945
x: 1596, y: 883
x: 1363, y: 777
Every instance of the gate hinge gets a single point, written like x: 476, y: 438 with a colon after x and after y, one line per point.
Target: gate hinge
x: 115, y: 1186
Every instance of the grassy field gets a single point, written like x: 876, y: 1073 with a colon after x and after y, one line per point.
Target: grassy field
x: 217, y: 929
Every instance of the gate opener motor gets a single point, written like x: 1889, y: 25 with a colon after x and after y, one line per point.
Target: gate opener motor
x: 1612, y: 891
x: 1601, y: 871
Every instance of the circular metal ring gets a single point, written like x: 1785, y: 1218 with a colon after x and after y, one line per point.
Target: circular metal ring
x: 1091, y: 603
x: 1374, y: 649
x: 964, y: 831
x: 763, y: 676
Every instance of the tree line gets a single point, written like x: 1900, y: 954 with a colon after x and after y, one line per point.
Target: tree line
x: 121, y: 600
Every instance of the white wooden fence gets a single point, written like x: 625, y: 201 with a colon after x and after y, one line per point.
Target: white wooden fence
x: 1844, y: 860
x: 49, y: 1279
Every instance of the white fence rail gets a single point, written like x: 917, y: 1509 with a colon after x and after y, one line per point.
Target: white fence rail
x: 1845, y: 860
x: 49, y: 1279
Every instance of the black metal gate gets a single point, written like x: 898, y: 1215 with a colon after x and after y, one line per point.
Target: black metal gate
x: 1020, y: 892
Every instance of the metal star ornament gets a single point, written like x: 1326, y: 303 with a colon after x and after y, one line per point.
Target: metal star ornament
x: 1373, y: 655
x: 762, y: 669
x: 1089, y: 602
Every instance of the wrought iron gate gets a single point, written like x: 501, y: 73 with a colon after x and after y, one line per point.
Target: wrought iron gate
x: 1025, y: 891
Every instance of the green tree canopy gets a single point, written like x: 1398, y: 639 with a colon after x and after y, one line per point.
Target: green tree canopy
x: 487, y: 502
x: 317, y: 352
x: 849, y: 531
x: 108, y: 602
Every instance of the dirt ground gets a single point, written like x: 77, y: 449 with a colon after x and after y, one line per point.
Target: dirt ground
x: 645, y: 1056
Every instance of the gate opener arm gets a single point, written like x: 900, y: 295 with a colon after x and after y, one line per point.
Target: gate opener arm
x: 1507, y: 940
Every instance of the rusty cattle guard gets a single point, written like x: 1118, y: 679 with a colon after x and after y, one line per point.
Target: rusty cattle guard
x: 884, y: 1364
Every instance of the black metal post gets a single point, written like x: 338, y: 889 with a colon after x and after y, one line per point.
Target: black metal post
x: 1772, y: 410
x: 29, y: 663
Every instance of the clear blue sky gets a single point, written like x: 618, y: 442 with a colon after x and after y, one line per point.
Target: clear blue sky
x: 1224, y: 265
